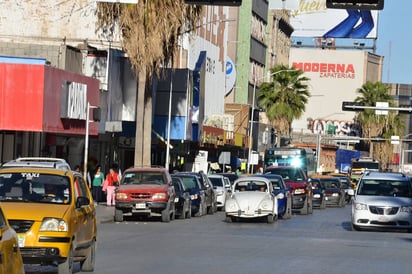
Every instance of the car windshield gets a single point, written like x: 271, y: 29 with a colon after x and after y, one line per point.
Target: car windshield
x: 34, y: 187
x: 385, y: 188
x: 250, y: 186
x: 331, y: 183
x: 216, y: 181
x: 190, y: 182
x: 139, y: 178
x: 287, y: 174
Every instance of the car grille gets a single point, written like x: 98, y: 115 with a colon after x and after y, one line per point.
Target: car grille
x: 383, y: 210
x: 21, y: 226
x: 140, y: 195
x: 33, y: 252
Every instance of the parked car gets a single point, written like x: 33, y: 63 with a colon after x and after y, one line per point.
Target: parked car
x: 207, y: 186
x: 382, y: 200
x: 53, y: 214
x: 252, y: 197
x: 282, y: 193
x: 11, y: 260
x: 221, y: 185
x: 197, y: 193
x: 301, y: 188
x: 347, y: 186
x: 319, y: 198
x: 183, y: 207
x: 230, y: 175
x: 334, y: 191
x: 145, y: 191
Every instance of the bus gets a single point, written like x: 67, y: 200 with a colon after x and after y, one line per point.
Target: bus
x: 359, y: 165
x: 299, y: 157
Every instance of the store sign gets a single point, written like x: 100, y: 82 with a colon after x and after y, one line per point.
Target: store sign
x: 74, y: 100
x: 327, y: 70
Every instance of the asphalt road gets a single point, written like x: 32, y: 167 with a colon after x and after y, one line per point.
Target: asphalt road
x: 318, y: 243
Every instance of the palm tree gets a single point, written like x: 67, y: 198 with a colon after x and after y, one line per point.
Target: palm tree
x: 150, y: 32
x: 284, y: 98
x: 378, y: 125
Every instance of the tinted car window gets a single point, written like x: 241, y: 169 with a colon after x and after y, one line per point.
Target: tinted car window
x: 144, y: 177
x: 216, y: 181
x: 385, y: 188
x: 190, y: 183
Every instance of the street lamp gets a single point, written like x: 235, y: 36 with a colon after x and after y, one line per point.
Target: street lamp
x: 253, y: 113
x: 86, y: 141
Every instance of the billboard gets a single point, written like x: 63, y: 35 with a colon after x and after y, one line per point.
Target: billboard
x: 313, y: 19
x: 334, y: 75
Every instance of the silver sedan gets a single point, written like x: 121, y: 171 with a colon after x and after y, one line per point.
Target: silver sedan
x: 251, y: 197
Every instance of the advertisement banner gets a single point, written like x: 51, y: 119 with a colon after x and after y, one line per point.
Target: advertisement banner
x: 313, y: 19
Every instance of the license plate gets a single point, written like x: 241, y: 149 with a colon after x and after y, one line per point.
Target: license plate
x: 22, y: 240
x: 141, y: 205
x: 176, y: 200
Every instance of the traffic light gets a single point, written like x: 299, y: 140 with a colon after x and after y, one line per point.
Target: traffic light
x: 355, y: 4
x: 235, y: 3
x: 352, y: 106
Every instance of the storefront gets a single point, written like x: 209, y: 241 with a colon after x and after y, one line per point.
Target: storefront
x: 43, y: 110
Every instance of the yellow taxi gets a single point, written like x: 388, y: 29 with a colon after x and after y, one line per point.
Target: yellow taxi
x: 10, y: 257
x: 53, y: 213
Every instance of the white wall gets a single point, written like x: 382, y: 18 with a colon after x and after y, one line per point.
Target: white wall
x: 328, y: 87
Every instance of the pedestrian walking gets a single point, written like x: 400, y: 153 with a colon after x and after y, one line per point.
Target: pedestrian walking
x: 97, y: 183
x: 112, y: 182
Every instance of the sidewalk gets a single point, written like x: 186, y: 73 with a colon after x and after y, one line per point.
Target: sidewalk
x: 104, y: 214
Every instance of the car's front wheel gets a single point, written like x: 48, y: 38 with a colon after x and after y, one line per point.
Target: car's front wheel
x: 67, y: 266
x: 88, y: 264
x: 355, y: 228
x: 166, y: 214
x: 199, y: 213
x: 304, y: 209
x: 288, y: 212
x: 118, y: 215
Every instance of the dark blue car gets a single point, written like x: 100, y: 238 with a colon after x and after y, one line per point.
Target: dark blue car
x: 183, y: 203
x: 318, y: 189
x: 282, y: 193
x: 197, y: 194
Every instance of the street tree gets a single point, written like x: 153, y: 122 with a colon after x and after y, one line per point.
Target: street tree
x: 374, y: 125
x: 150, y: 33
x: 284, y: 98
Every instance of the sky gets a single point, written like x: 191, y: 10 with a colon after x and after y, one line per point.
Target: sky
x: 394, y: 41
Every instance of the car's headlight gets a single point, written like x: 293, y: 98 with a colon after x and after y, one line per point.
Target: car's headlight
x: 360, y: 206
x: 219, y: 192
x: 232, y: 206
x: 299, y: 191
x: 317, y: 195
x: 194, y: 197
x: 159, y: 196
x: 121, y: 196
x: 335, y: 194
x: 407, y: 209
x: 280, y: 196
x: 54, y: 224
x: 265, y: 204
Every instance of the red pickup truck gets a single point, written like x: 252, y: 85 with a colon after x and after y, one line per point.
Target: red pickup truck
x: 146, y: 191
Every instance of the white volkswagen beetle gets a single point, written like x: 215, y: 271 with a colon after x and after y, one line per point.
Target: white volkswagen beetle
x: 251, y: 197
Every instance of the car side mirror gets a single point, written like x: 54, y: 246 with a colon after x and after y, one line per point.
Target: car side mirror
x: 82, y: 201
x: 351, y: 192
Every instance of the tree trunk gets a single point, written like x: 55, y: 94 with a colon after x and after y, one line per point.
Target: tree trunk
x: 142, y: 156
